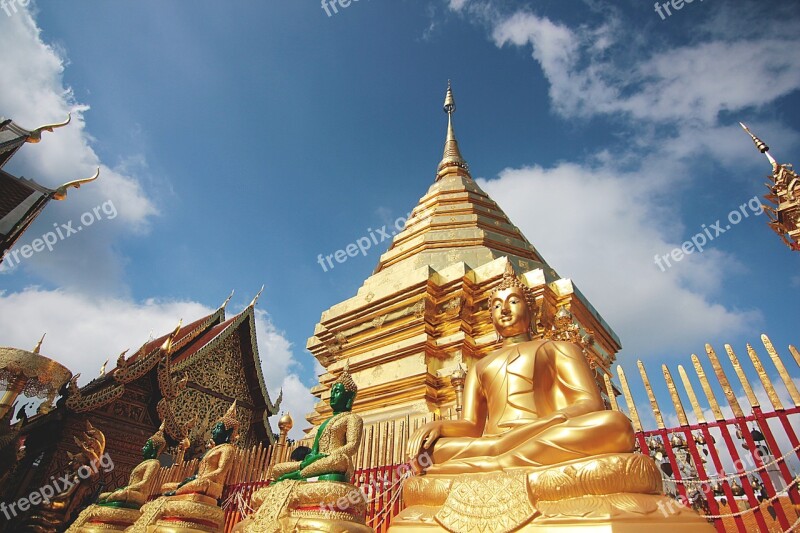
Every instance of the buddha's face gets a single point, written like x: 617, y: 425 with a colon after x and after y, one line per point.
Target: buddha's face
x: 149, y: 449
x: 510, y: 312
x: 219, y: 434
x: 340, y: 398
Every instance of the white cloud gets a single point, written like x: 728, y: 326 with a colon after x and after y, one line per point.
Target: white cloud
x: 695, y: 82
x: 83, y: 331
x: 32, y: 93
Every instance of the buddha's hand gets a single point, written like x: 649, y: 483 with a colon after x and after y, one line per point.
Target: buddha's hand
x: 290, y: 475
x: 311, y: 458
x: 423, y: 438
x: 187, y: 480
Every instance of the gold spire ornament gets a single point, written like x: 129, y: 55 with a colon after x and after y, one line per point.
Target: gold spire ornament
x: 784, y: 196
x: 452, y: 161
x: 39, y: 344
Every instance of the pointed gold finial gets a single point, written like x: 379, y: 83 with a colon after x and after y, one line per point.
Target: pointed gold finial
x: 452, y: 162
x: 61, y: 192
x: 36, y: 135
x: 255, y: 299
x: 103, y: 369
x: 761, y: 146
x: 39, y: 344
x: 227, y: 300
x: 167, y: 346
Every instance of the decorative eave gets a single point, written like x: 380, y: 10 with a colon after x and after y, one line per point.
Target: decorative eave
x: 13, y: 136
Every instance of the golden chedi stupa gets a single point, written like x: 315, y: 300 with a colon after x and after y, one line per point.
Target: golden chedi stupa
x: 423, y: 314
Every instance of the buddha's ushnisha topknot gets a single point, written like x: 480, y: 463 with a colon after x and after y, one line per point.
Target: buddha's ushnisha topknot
x: 230, y: 418
x: 346, y: 379
x: 158, y: 439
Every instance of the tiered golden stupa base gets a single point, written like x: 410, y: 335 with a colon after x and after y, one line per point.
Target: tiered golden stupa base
x: 319, y: 507
x: 183, y: 513
x: 614, y: 493
x: 102, y: 519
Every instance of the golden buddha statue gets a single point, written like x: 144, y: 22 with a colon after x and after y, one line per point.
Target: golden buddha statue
x: 535, y: 449
x: 315, y: 493
x: 192, y: 505
x: 117, y: 510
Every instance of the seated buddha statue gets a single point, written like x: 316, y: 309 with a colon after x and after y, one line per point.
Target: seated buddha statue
x: 336, y: 442
x: 192, y: 505
x: 115, y: 511
x: 139, y: 486
x: 315, y: 493
x: 528, y: 403
x: 535, y: 444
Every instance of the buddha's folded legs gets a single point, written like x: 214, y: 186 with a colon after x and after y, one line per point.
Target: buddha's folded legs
x: 584, y: 436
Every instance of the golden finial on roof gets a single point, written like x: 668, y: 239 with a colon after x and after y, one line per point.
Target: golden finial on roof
x: 346, y: 379
x: 36, y: 135
x: 61, y: 192
x: 103, y: 368
x: 227, y: 300
x: 255, y: 299
x: 451, y: 159
x: 167, y: 346
x: 761, y: 146
x: 39, y: 344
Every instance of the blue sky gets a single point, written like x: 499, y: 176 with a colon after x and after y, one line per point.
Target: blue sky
x: 238, y: 140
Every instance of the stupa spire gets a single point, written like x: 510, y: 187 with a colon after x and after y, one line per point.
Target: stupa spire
x: 452, y: 162
x: 761, y: 146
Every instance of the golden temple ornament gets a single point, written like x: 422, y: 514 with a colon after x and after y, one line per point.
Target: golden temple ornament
x: 61, y: 192
x: 36, y: 135
x: 784, y: 197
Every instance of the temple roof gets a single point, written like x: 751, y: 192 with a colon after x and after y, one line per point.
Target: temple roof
x: 191, y: 342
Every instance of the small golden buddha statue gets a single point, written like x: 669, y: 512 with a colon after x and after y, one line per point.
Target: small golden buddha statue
x: 535, y: 447
x: 117, y: 510
x: 315, y: 493
x: 192, y: 505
